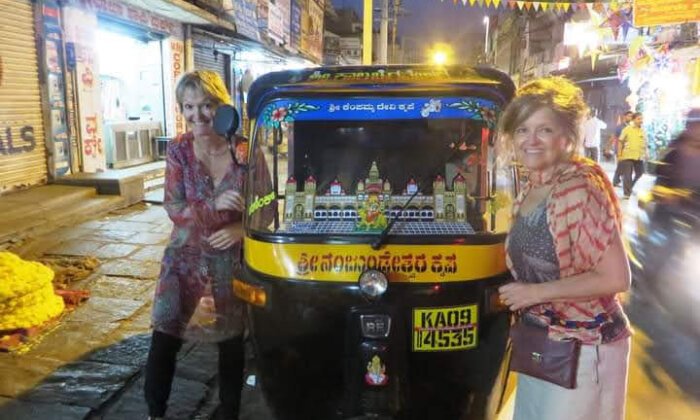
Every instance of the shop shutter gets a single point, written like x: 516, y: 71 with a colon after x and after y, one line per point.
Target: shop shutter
x: 23, y: 163
x: 204, y: 59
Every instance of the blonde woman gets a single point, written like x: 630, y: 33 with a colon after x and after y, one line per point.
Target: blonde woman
x: 204, y: 199
x: 566, y: 254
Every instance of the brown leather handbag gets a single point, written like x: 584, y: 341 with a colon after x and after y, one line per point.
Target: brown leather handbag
x: 536, y: 355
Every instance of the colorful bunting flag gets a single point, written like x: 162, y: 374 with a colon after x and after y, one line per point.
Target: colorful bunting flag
x: 600, y: 6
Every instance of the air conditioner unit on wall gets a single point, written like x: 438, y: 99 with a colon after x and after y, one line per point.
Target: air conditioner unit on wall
x: 130, y: 143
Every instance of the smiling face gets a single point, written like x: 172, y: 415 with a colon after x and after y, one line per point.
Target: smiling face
x: 198, y: 110
x: 540, y: 142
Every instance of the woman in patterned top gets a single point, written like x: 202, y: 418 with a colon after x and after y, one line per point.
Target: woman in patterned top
x: 204, y: 199
x: 566, y: 255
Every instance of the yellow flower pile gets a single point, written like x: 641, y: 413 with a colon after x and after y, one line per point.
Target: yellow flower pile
x: 27, y: 297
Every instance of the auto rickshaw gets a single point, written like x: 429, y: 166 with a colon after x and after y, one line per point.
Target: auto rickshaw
x: 373, y: 284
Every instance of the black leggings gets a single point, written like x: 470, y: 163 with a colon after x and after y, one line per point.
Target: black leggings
x: 160, y: 370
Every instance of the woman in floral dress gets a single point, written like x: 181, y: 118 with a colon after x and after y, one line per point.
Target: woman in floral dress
x: 205, y: 177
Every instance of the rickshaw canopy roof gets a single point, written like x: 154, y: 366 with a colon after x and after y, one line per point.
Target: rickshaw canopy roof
x: 394, y: 80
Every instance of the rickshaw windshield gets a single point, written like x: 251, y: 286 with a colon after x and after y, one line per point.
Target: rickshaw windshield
x: 349, y: 166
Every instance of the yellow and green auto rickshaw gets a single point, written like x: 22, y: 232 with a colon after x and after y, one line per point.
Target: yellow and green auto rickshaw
x: 373, y: 285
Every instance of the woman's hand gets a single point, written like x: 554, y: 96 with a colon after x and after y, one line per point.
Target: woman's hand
x: 230, y: 200
x: 226, y: 237
x: 520, y: 295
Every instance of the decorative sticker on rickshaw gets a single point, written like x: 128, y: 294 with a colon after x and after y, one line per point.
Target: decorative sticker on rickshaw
x: 376, y: 372
x: 478, y: 110
x: 445, y: 329
x: 377, y: 75
x: 401, y: 263
x: 261, y: 202
x: 386, y: 262
x: 283, y: 111
x: 278, y: 114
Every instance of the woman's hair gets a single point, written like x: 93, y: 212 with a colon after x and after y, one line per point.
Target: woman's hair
x: 206, y: 81
x: 560, y: 95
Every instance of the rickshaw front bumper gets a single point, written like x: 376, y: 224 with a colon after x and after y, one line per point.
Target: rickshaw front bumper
x: 416, y: 345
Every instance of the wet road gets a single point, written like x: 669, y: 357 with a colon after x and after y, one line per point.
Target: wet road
x: 664, y: 366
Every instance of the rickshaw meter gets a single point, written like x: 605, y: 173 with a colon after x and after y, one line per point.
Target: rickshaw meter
x: 373, y: 283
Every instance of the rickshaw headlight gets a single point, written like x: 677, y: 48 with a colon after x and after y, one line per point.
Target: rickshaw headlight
x: 373, y: 283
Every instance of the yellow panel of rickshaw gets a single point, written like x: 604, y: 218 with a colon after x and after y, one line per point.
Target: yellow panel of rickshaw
x: 400, y: 263
x: 445, y: 328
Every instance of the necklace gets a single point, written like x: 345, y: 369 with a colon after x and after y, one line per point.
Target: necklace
x: 218, y: 152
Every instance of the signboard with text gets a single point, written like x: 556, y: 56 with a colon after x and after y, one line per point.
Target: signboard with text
x: 312, y: 29
x: 130, y: 13
x: 245, y: 14
x: 57, y: 128
x: 665, y: 12
x: 80, y: 30
x: 295, y: 26
x: 275, y: 23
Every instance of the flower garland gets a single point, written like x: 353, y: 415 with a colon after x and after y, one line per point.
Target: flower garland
x: 27, y: 296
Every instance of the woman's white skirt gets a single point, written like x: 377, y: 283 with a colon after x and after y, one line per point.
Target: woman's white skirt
x: 601, y: 388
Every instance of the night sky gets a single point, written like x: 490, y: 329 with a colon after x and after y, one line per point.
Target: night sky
x: 435, y: 21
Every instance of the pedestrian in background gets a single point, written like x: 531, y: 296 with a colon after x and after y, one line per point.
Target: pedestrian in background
x: 591, y: 135
x: 615, y: 148
x: 566, y: 254
x: 204, y: 184
x: 633, y: 152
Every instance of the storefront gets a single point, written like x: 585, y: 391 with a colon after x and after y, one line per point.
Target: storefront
x: 22, y: 146
x: 126, y: 62
x: 210, y: 53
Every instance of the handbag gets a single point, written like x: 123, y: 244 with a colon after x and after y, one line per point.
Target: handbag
x: 536, y: 355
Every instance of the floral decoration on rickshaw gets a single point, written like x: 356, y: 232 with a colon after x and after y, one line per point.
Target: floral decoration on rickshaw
x: 486, y: 113
x: 276, y: 116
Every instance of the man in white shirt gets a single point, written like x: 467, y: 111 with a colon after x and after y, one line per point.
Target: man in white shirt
x: 591, y: 135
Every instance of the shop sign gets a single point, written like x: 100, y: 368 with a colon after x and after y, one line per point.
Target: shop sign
x: 295, y: 25
x: 58, y: 129
x: 245, y: 15
x: 177, y: 58
x: 80, y: 28
x: 263, y: 11
x: 285, y: 10
x: 312, y: 29
x: 665, y: 12
x: 275, y: 22
x: 130, y: 13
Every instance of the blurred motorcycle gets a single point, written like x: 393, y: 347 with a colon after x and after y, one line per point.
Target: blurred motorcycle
x: 664, y: 247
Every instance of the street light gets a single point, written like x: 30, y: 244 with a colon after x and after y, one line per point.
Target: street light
x: 440, y: 54
x: 439, y: 58
x: 486, y: 36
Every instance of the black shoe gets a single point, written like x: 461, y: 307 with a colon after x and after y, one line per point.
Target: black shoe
x: 616, y: 184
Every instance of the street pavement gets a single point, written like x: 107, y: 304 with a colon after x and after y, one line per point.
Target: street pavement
x: 90, y: 364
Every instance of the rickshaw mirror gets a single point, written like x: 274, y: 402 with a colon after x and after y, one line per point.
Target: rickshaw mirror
x: 226, y: 120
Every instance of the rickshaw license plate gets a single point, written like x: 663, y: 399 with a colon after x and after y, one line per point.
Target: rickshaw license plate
x: 443, y: 329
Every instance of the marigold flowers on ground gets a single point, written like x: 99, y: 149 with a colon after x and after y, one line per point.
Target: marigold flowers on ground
x: 27, y: 297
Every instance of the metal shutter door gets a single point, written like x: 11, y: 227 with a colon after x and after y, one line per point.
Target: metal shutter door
x: 204, y: 60
x: 22, y: 163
